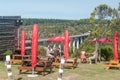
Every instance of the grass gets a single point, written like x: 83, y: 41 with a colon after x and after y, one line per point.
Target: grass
x: 82, y: 72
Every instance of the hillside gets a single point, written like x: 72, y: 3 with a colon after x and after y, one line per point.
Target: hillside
x: 53, y: 27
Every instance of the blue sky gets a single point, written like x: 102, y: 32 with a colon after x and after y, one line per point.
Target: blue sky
x: 55, y: 9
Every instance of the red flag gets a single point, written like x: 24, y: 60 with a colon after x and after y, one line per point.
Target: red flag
x: 34, y: 44
x: 23, y: 36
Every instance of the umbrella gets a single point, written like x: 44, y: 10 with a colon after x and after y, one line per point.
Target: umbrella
x: 23, y: 43
x: 115, y: 45
x: 58, y: 39
x: 34, y: 48
x: 34, y: 44
x: 93, y: 40
x: 66, y: 41
x: 102, y: 40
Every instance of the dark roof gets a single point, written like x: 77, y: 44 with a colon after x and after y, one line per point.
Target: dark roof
x: 11, y: 17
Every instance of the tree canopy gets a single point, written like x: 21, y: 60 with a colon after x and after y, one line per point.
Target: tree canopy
x: 103, y: 13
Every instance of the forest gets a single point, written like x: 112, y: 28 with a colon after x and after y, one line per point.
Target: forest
x: 53, y: 27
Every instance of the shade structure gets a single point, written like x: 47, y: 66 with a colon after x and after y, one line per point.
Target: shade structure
x: 34, y: 49
x: 58, y: 39
x: 115, y: 45
x: 66, y: 41
x: 23, y: 36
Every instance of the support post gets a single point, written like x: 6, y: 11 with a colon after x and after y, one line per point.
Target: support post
x: 9, y: 70
x: 61, y: 69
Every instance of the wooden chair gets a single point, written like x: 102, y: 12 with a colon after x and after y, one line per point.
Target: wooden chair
x: 93, y: 57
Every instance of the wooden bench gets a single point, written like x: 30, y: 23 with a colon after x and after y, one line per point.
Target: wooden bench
x: 113, y: 64
x: 16, y: 58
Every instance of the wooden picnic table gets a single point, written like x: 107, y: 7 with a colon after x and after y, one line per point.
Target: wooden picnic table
x: 41, y: 66
x: 113, y: 64
x: 71, y: 62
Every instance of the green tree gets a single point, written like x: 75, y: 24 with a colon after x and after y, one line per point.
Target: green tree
x: 103, y: 12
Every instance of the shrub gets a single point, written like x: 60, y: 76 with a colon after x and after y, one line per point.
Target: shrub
x: 74, y: 53
x: 106, y: 52
x: 119, y: 53
x: 89, y: 47
x: 77, y: 53
x: 71, y: 51
x: 41, y: 51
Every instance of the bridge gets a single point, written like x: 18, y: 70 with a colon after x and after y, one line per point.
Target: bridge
x: 77, y: 40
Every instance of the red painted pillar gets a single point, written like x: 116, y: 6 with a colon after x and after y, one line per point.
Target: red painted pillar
x: 23, y: 36
x: 34, y: 44
x: 66, y: 41
x: 115, y: 45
